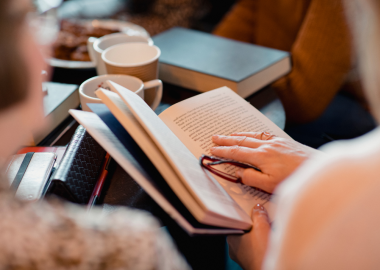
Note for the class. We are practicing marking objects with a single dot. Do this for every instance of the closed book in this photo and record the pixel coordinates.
(60, 98)
(28, 174)
(59, 151)
(202, 62)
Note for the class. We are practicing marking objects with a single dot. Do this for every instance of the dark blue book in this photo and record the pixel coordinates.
(202, 62)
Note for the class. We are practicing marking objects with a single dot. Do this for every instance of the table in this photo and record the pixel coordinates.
(202, 252)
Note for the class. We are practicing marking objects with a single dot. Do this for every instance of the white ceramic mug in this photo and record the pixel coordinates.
(135, 59)
(96, 46)
(87, 88)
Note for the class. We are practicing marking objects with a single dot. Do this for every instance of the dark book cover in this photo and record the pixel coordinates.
(76, 176)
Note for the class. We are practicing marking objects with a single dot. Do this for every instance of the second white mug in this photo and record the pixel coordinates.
(96, 46)
(87, 88)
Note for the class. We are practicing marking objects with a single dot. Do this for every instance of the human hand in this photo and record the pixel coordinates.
(276, 157)
(248, 250)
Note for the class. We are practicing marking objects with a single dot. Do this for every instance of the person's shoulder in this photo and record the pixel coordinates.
(347, 167)
(319, 205)
(356, 161)
(346, 157)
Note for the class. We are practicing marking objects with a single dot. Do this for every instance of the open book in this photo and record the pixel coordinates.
(161, 153)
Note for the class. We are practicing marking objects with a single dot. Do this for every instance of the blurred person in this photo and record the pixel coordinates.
(322, 94)
(157, 16)
(327, 213)
(54, 235)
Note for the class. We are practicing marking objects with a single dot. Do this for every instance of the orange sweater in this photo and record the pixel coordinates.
(316, 34)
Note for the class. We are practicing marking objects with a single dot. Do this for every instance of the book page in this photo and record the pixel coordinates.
(106, 138)
(222, 112)
(216, 202)
(121, 146)
(139, 135)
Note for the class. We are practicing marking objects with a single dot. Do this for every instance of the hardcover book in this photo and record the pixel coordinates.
(161, 153)
(28, 174)
(201, 61)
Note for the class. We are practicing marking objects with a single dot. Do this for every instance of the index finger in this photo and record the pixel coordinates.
(255, 135)
(236, 140)
(238, 153)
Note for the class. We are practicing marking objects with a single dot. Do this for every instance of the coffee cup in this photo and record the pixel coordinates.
(87, 88)
(96, 46)
(135, 59)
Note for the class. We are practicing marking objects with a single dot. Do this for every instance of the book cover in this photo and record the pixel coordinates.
(202, 61)
(60, 98)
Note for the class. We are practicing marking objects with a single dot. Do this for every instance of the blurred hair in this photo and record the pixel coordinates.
(364, 19)
(13, 72)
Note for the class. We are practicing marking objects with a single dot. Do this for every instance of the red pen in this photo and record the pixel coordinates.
(99, 184)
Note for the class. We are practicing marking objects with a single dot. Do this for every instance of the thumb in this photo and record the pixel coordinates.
(260, 233)
(260, 218)
(256, 179)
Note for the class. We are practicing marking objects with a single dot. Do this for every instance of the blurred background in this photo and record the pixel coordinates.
(81, 19)
(154, 15)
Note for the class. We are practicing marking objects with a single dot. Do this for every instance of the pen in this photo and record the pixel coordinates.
(99, 184)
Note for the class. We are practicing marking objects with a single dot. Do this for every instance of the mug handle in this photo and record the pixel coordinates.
(90, 48)
(158, 96)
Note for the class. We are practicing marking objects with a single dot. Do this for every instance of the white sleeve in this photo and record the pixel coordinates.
(328, 214)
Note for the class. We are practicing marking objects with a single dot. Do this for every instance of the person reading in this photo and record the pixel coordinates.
(327, 213)
(322, 95)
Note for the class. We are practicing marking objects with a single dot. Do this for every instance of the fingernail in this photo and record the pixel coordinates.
(215, 136)
(258, 207)
(239, 173)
